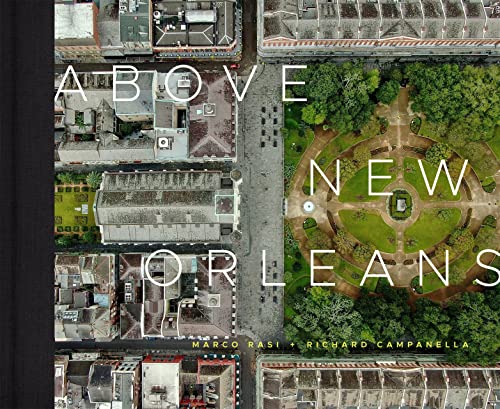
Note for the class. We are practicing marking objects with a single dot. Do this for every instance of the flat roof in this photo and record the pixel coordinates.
(74, 21)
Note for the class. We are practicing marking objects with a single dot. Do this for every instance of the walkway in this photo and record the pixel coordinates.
(398, 141)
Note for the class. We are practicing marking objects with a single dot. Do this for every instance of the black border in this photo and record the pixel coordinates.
(26, 176)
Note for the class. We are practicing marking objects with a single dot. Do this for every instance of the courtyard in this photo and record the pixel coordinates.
(398, 226)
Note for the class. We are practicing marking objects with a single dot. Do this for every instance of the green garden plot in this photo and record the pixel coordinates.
(69, 220)
(430, 229)
(369, 228)
(356, 188)
(413, 175)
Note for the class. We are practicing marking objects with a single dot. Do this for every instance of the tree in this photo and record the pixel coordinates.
(89, 237)
(311, 116)
(371, 128)
(387, 314)
(475, 320)
(361, 155)
(430, 322)
(66, 178)
(388, 92)
(455, 167)
(437, 152)
(465, 97)
(444, 214)
(362, 253)
(343, 93)
(441, 252)
(323, 316)
(319, 240)
(94, 179)
(64, 241)
(342, 242)
(347, 169)
(461, 240)
(331, 259)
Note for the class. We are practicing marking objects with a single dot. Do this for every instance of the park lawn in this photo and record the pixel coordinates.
(356, 188)
(431, 282)
(416, 179)
(292, 140)
(462, 264)
(301, 277)
(65, 204)
(373, 230)
(354, 275)
(494, 144)
(429, 229)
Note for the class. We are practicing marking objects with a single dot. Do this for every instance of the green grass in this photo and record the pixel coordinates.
(293, 140)
(354, 275)
(460, 265)
(494, 144)
(373, 230)
(431, 282)
(65, 204)
(429, 229)
(356, 188)
(416, 179)
(330, 152)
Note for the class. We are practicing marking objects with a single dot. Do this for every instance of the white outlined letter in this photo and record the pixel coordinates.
(285, 83)
(371, 177)
(155, 255)
(487, 267)
(314, 165)
(60, 90)
(442, 164)
(264, 283)
(233, 85)
(224, 271)
(313, 267)
(376, 254)
(116, 81)
(193, 70)
(446, 279)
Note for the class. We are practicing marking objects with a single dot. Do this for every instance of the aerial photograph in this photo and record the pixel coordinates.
(276, 204)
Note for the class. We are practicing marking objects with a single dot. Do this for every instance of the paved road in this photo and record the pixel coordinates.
(260, 157)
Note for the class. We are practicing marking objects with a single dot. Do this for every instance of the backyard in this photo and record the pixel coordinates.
(68, 219)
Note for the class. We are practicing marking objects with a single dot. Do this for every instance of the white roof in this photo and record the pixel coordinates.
(160, 376)
(74, 21)
(201, 16)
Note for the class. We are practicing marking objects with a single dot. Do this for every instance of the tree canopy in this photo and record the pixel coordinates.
(337, 94)
(468, 98)
(322, 315)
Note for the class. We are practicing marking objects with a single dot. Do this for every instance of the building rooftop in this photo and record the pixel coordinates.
(193, 23)
(189, 307)
(297, 20)
(84, 297)
(161, 206)
(74, 24)
(347, 384)
(135, 22)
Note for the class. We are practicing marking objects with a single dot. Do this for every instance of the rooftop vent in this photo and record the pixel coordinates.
(209, 109)
(183, 83)
(214, 300)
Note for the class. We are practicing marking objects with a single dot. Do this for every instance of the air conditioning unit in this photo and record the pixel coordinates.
(164, 143)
